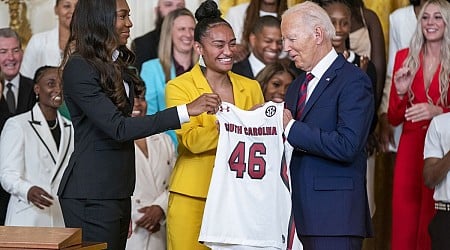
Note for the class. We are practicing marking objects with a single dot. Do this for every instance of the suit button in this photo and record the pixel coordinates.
(138, 201)
(168, 162)
(164, 182)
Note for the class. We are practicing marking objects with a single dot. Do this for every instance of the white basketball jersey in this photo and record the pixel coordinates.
(248, 202)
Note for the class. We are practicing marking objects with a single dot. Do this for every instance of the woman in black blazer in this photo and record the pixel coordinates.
(99, 89)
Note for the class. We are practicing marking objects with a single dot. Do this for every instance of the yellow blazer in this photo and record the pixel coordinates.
(198, 138)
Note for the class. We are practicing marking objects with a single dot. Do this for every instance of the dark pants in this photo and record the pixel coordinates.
(331, 243)
(4, 200)
(439, 229)
(100, 220)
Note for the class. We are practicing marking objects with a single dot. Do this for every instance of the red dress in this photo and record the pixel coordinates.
(412, 201)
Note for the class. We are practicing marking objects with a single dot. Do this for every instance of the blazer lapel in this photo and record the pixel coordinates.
(40, 127)
(293, 92)
(326, 79)
(64, 146)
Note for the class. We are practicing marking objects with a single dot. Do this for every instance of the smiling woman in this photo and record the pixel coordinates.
(35, 148)
(175, 57)
(99, 88)
(215, 42)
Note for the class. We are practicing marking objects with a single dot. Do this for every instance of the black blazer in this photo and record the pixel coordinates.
(145, 47)
(102, 165)
(4, 112)
(243, 68)
(27, 97)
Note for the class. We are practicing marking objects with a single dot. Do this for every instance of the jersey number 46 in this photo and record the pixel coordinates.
(256, 164)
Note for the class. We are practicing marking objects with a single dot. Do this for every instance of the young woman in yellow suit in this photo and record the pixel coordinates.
(215, 42)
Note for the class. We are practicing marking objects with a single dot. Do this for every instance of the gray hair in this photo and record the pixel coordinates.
(312, 14)
(10, 33)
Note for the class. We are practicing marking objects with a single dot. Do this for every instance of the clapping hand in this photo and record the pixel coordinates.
(422, 111)
(39, 197)
(402, 80)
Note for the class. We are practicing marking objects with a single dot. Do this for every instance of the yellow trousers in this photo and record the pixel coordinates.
(184, 219)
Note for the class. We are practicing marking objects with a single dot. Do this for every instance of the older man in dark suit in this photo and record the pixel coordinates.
(18, 95)
(328, 116)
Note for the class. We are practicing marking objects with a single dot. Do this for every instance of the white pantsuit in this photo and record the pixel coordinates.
(29, 157)
(152, 181)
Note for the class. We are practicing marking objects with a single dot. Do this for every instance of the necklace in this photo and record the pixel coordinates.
(54, 126)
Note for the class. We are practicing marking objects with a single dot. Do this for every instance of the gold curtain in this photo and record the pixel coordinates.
(381, 7)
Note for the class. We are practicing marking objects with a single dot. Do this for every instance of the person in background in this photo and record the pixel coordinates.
(155, 157)
(175, 56)
(18, 94)
(47, 48)
(96, 187)
(146, 46)
(435, 173)
(11, 55)
(244, 17)
(328, 133)
(265, 46)
(275, 79)
(402, 24)
(215, 43)
(367, 39)
(419, 92)
(34, 149)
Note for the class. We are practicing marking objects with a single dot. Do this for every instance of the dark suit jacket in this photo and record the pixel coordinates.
(328, 165)
(25, 100)
(243, 68)
(102, 165)
(27, 97)
(145, 47)
(4, 112)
